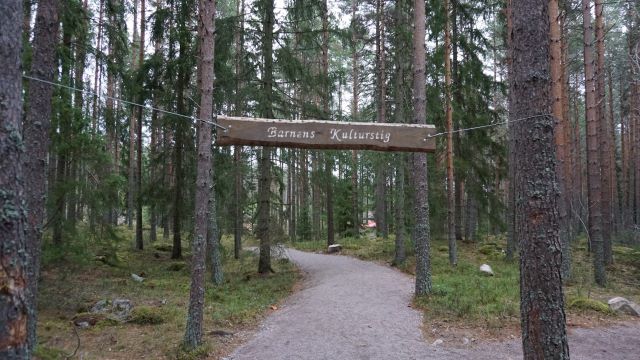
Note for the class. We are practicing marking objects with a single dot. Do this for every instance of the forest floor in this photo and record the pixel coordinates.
(74, 280)
(353, 309)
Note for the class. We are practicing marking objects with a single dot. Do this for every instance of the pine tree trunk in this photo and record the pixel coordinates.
(204, 177)
(355, 67)
(512, 245)
(36, 139)
(543, 320)
(555, 51)
(380, 176)
(14, 270)
(139, 110)
(264, 163)
(131, 192)
(593, 155)
(451, 203)
(420, 179)
(603, 132)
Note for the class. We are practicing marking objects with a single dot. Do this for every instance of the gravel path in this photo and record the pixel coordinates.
(351, 309)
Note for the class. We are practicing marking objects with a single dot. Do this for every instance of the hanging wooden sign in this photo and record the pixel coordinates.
(319, 134)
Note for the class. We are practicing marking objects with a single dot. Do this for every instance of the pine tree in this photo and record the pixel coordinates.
(420, 179)
(542, 314)
(13, 257)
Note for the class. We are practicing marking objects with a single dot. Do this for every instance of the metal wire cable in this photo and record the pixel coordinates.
(488, 125)
(125, 101)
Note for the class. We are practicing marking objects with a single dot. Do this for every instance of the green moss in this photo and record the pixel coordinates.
(583, 303)
(48, 353)
(200, 352)
(146, 315)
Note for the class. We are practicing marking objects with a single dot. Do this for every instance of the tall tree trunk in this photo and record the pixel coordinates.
(451, 201)
(555, 51)
(455, 75)
(237, 152)
(603, 131)
(96, 73)
(204, 183)
(139, 110)
(380, 176)
(542, 314)
(14, 269)
(512, 244)
(593, 155)
(326, 98)
(420, 180)
(264, 163)
(131, 189)
(613, 173)
(355, 67)
(36, 139)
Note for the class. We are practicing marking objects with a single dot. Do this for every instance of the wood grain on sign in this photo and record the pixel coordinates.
(318, 134)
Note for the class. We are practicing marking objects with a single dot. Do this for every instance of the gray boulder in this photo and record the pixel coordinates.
(622, 305)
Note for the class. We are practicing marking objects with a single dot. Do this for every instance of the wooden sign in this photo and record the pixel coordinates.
(318, 134)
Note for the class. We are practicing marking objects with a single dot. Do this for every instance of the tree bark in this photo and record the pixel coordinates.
(555, 51)
(541, 299)
(604, 135)
(204, 183)
(593, 154)
(14, 315)
(36, 138)
(139, 110)
(264, 163)
(420, 169)
(451, 200)
(355, 66)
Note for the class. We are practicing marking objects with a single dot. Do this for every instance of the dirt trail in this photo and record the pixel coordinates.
(351, 309)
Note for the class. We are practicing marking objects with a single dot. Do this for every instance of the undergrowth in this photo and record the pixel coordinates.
(155, 327)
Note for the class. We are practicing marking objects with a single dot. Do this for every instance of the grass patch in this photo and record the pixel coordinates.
(146, 315)
(160, 303)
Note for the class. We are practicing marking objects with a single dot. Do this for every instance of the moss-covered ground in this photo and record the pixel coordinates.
(71, 285)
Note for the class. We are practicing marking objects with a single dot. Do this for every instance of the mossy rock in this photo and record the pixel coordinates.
(443, 248)
(583, 303)
(146, 315)
(163, 247)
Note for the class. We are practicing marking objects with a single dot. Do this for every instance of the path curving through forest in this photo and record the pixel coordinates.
(352, 309)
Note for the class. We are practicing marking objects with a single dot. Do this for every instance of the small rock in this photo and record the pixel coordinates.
(121, 308)
(484, 268)
(334, 248)
(437, 342)
(622, 305)
(100, 307)
(137, 278)
(82, 324)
